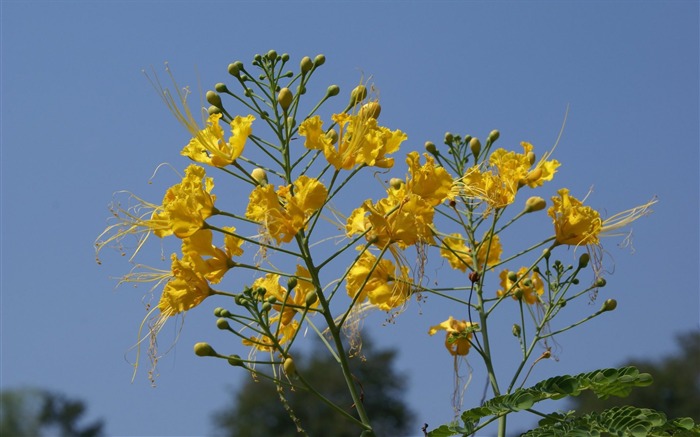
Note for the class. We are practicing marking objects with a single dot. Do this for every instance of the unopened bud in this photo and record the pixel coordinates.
(546, 253)
(333, 136)
(284, 98)
(235, 360)
(583, 260)
(311, 298)
(493, 136)
(259, 175)
(518, 293)
(512, 276)
(291, 121)
(319, 60)
(531, 157)
(333, 90)
(204, 350)
(358, 94)
(430, 147)
(267, 306)
(271, 55)
(609, 305)
(285, 57)
(222, 323)
(600, 282)
(213, 110)
(395, 183)
(214, 99)
(534, 175)
(535, 203)
(289, 367)
(516, 330)
(235, 68)
(221, 88)
(217, 311)
(370, 110)
(475, 146)
(449, 138)
(306, 64)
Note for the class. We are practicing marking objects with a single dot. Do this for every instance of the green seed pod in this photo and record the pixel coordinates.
(214, 99)
(333, 90)
(204, 350)
(319, 60)
(235, 360)
(535, 203)
(583, 260)
(609, 305)
(222, 323)
(475, 146)
(221, 88)
(516, 330)
(284, 98)
(358, 94)
(430, 148)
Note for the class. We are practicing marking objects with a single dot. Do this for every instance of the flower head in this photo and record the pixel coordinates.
(531, 288)
(187, 289)
(460, 256)
(459, 335)
(186, 205)
(379, 281)
(209, 147)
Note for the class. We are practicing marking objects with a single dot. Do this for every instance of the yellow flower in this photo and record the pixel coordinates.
(531, 288)
(433, 184)
(381, 282)
(219, 261)
(284, 213)
(185, 290)
(209, 147)
(457, 340)
(578, 225)
(360, 140)
(517, 166)
(265, 343)
(456, 252)
(189, 203)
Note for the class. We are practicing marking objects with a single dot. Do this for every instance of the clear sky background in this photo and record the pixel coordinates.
(80, 121)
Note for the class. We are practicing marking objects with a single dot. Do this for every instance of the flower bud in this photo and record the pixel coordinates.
(395, 183)
(221, 88)
(583, 260)
(333, 90)
(333, 136)
(272, 300)
(311, 298)
(257, 57)
(512, 276)
(213, 110)
(527, 282)
(306, 65)
(609, 305)
(600, 282)
(248, 92)
(301, 90)
(370, 110)
(214, 99)
(271, 55)
(319, 60)
(449, 138)
(430, 148)
(222, 323)
(534, 174)
(518, 293)
(546, 253)
(260, 176)
(289, 367)
(535, 203)
(291, 283)
(493, 136)
(235, 360)
(285, 57)
(284, 98)
(267, 306)
(516, 330)
(358, 94)
(204, 350)
(291, 121)
(235, 68)
(217, 311)
(475, 146)
(531, 157)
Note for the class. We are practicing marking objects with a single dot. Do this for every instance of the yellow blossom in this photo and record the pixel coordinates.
(579, 225)
(360, 140)
(431, 183)
(381, 282)
(185, 290)
(531, 288)
(264, 342)
(283, 213)
(209, 147)
(455, 250)
(457, 340)
(189, 203)
(218, 261)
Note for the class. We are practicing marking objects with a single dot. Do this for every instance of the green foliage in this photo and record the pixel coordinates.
(32, 413)
(676, 388)
(258, 410)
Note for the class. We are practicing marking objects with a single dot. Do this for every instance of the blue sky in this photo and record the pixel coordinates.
(80, 121)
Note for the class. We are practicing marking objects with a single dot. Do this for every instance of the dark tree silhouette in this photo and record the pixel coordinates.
(257, 409)
(33, 413)
(676, 387)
